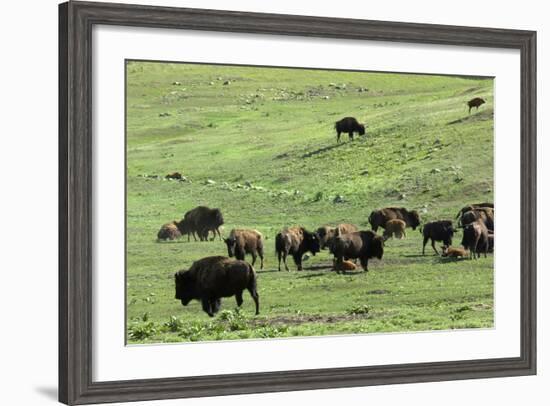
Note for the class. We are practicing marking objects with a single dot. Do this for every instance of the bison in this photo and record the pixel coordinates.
(475, 238)
(241, 242)
(169, 231)
(440, 230)
(327, 233)
(453, 252)
(295, 241)
(379, 218)
(359, 244)
(485, 214)
(475, 102)
(395, 228)
(343, 266)
(211, 278)
(202, 220)
(348, 125)
(472, 207)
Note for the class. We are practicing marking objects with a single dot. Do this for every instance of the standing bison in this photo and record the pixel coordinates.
(475, 238)
(241, 242)
(360, 244)
(327, 233)
(379, 218)
(202, 220)
(475, 102)
(440, 230)
(395, 228)
(295, 241)
(211, 278)
(348, 125)
(485, 214)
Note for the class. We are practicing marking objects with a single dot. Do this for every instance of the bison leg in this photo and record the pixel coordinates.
(207, 307)
(298, 261)
(255, 297)
(215, 304)
(364, 264)
(350, 135)
(261, 254)
(284, 261)
(219, 234)
(433, 246)
(254, 256)
(239, 297)
(424, 244)
(338, 136)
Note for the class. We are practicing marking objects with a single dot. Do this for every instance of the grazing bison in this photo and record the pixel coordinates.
(453, 252)
(360, 244)
(211, 278)
(295, 241)
(395, 228)
(348, 125)
(327, 233)
(485, 214)
(379, 218)
(169, 231)
(202, 220)
(476, 238)
(475, 102)
(241, 242)
(440, 230)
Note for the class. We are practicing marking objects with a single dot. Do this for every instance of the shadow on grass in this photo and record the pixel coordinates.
(324, 149)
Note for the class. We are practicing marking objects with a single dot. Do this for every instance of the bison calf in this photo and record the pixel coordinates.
(343, 266)
(395, 228)
(241, 242)
(211, 278)
(169, 231)
(453, 252)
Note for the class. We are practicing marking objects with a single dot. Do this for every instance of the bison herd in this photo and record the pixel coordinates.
(211, 278)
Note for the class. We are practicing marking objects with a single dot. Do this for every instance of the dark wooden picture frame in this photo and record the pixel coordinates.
(76, 20)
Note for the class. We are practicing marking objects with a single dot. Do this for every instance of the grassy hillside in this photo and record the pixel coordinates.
(259, 143)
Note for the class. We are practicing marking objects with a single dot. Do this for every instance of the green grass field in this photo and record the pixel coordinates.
(259, 143)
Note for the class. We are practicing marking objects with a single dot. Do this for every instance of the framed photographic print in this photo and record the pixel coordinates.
(259, 202)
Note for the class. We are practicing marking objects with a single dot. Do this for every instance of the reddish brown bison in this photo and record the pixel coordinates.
(475, 102)
(327, 233)
(440, 230)
(202, 220)
(472, 207)
(169, 231)
(379, 218)
(348, 125)
(211, 278)
(475, 238)
(395, 228)
(485, 214)
(295, 241)
(241, 242)
(360, 244)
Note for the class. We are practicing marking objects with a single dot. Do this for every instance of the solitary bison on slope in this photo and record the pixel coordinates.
(295, 241)
(475, 102)
(360, 244)
(241, 242)
(211, 278)
(379, 218)
(348, 125)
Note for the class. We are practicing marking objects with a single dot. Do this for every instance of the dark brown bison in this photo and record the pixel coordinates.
(327, 233)
(211, 278)
(295, 241)
(485, 214)
(202, 220)
(475, 102)
(440, 230)
(241, 242)
(475, 238)
(360, 244)
(379, 218)
(169, 231)
(348, 125)
(174, 175)
(472, 207)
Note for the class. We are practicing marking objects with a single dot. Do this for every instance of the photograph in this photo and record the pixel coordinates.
(277, 202)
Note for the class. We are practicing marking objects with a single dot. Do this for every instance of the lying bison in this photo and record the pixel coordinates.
(211, 278)
(348, 125)
(440, 230)
(241, 242)
(202, 220)
(360, 244)
(476, 238)
(475, 102)
(379, 218)
(295, 241)
(327, 233)
(169, 231)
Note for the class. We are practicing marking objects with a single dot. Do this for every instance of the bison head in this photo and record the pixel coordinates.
(414, 219)
(311, 242)
(361, 129)
(325, 234)
(184, 287)
(231, 243)
(376, 247)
